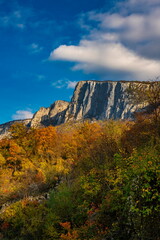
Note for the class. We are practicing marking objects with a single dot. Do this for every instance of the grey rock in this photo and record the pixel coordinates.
(54, 115)
(100, 100)
(5, 127)
(95, 100)
(40, 117)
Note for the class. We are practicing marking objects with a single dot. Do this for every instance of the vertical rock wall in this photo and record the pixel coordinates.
(91, 100)
(100, 100)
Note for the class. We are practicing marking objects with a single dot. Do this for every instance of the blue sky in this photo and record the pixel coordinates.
(47, 46)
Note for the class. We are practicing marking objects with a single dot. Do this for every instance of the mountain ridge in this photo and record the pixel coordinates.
(91, 99)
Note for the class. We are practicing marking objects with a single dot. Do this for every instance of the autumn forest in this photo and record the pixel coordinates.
(88, 180)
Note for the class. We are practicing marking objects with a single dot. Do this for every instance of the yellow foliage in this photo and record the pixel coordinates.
(2, 160)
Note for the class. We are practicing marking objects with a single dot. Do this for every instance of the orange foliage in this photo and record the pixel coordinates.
(71, 234)
(66, 225)
(45, 139)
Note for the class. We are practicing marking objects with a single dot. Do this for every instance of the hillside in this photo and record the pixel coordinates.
(96, 180)
(83, 179)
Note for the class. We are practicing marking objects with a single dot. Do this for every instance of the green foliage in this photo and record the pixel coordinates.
(103, 179)
(147, 93)
(62, 200)
(29, 220)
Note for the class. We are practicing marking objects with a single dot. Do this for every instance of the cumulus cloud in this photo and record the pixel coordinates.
(93, 55)
(22, 114)
(133, 27)
(118, 41)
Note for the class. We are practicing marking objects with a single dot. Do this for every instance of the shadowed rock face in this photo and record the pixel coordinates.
(54, 115)
(100, 100)
(91, 100)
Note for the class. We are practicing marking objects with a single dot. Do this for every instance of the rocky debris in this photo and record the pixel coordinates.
(39, 198)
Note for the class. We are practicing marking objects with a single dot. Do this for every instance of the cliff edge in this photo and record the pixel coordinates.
(97, 100)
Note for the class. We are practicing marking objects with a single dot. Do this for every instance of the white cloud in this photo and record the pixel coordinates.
(140, 5)
(133, 27)
(71, 84)
(22, 114)
(64, 83)
(117, 42)
(93, 56)
(59, 83)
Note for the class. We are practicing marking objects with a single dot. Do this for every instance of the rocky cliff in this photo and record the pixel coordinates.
(100, 100)
(91, 100)
(54, 115)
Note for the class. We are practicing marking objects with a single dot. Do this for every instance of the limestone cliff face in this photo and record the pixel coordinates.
(54, 115)
(100, 100)
(91, 100)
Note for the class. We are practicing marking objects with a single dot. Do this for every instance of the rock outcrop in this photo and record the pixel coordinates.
(54, 115)
(5, 127)
(91, 100)
(100, 100)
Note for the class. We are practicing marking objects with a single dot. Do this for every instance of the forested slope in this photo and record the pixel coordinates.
(102, 178)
